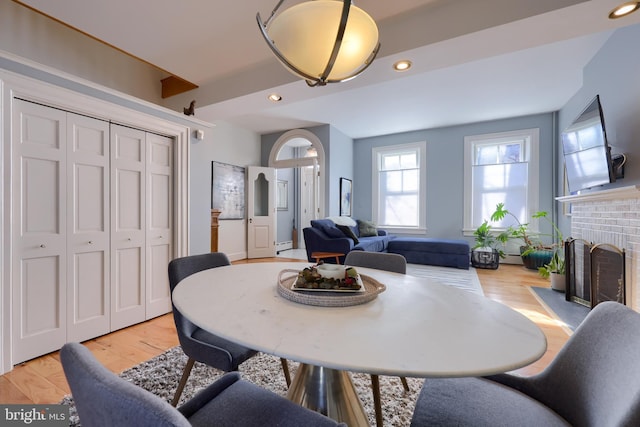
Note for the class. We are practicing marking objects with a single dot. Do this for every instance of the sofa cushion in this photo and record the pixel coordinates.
(348, 231)
(328, 227)
(427, 244)
(432, 251)
(373, 244)
(367, 228)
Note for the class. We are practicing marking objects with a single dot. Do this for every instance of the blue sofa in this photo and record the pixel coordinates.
(430, 251)
(325, 236)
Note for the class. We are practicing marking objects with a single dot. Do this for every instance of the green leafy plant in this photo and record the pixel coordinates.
(519, 231)
(556, 265)
(532, 242)
(486, 238)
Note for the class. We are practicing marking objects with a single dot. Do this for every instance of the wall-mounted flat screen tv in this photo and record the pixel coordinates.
(587, 156)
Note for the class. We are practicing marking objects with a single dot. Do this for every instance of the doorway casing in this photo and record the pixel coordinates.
(317, 161)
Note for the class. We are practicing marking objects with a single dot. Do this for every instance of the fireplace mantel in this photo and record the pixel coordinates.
(629, 192)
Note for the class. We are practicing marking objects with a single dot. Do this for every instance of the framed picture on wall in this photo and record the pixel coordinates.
(227, 190)
(345, 197)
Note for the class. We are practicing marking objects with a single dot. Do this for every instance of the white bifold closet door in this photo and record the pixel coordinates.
(60, 256)
(159, 239)
(128, 214)
(92, 227)
(141, 218)
(39, 228)
(88, 229)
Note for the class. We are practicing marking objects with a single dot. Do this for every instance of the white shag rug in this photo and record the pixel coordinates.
(161, 374)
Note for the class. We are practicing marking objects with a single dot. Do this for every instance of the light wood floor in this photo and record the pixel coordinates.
(42, 381)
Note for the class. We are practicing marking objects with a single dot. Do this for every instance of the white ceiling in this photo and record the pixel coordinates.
(474, 60)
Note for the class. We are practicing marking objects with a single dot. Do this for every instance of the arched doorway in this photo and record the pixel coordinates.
(298, 157)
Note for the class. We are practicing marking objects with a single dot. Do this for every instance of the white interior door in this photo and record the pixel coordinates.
(159, 240)
(39, 296)
(128, 228)
(261, 212)
(88, 226)
(308, 197)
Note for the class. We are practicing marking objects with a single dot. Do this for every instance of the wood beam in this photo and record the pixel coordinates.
(174, 85)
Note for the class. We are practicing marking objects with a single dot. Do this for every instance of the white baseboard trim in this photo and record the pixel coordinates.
(283, 246)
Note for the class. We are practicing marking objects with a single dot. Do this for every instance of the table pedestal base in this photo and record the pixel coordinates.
(330, 392)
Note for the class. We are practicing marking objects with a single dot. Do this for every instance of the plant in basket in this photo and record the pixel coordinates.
(487, 251)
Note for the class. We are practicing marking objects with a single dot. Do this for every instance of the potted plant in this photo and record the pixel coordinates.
(555, 270)
(534, 253)
(485, 253)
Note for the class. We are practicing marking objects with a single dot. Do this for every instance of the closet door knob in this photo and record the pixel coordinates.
(43, 246)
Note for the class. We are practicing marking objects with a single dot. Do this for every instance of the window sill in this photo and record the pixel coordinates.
(402, 230)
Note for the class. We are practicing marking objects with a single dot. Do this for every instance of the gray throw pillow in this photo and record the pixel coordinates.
(367, 228)
(348, 232)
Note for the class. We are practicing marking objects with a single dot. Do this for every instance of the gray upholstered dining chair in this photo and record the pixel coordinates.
(104, 399)
(382, 261)
(593, 381)
(378, 260)
(200, 345)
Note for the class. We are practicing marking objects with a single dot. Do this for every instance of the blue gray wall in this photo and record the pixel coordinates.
(612, 74)
(341, 164)
(445, 168)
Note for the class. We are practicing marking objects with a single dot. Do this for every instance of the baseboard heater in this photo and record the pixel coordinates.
(283, 246)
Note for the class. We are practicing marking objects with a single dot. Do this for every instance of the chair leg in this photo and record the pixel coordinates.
(405, 384)
(375, 387)
(285, 369)
(183, 381)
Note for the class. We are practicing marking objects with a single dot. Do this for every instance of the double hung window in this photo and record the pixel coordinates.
(500, 168)
(399, 187)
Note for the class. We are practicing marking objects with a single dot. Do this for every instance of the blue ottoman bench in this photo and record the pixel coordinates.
(432, 251)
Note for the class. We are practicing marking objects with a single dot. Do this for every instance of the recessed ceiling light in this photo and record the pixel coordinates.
(274, 97)
(403, 65)
(624, 9)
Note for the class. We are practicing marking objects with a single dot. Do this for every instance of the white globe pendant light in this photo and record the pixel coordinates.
(322, 41)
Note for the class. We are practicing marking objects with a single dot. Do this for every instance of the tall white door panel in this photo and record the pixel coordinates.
(128, 212)
(261, 208)
(39, 230)
(159, 222)
(88, 227)
(308, 197)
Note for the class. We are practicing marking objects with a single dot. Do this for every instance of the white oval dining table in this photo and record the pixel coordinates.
(417, 327)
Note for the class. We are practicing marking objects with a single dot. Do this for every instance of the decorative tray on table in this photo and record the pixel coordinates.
(332, 286)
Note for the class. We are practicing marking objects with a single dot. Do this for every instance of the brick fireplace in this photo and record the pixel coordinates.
(613, 217)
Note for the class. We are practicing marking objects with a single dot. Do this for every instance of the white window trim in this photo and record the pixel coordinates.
(422, 198)
(531, 155)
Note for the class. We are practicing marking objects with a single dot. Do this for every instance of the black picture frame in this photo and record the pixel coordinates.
(346, 196)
